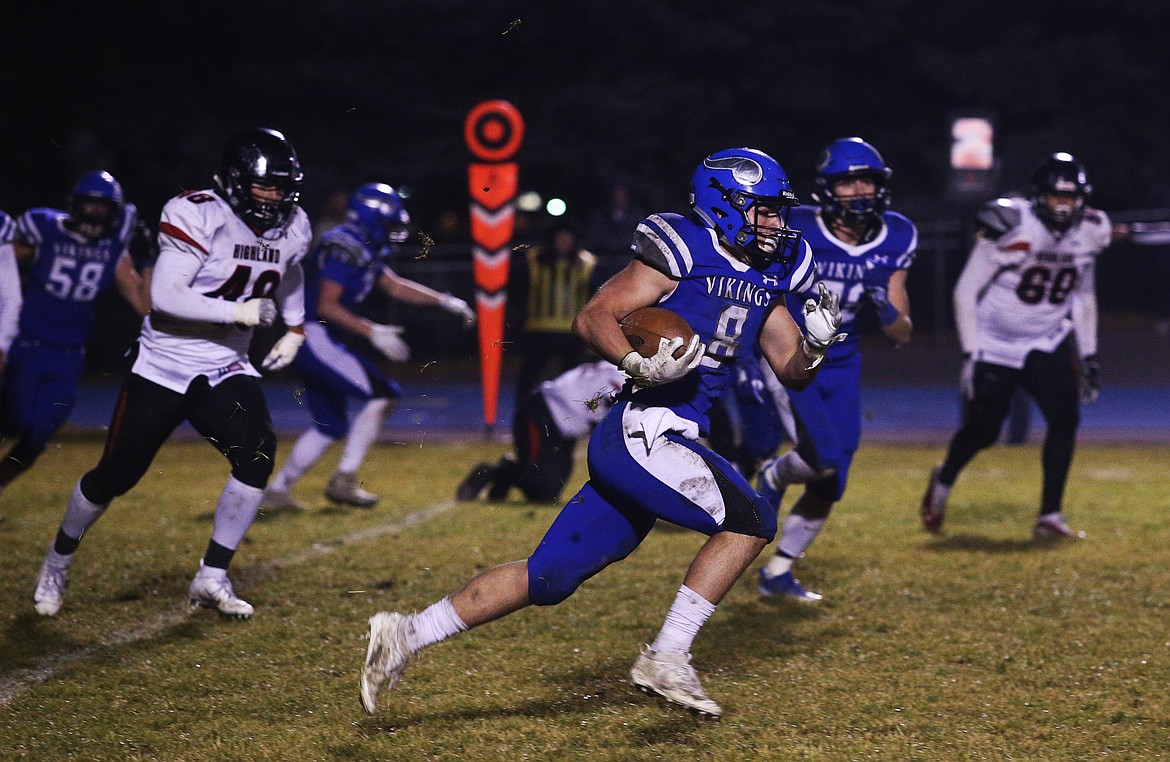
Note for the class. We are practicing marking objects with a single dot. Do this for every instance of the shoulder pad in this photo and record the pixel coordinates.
(659, 243)
(997, 217)
(192, 218)
(342, 246)
(7, 228)
(30, 225)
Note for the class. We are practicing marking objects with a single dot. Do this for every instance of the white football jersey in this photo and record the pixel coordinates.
(1025, 279)
(580, 397)
(232, 263)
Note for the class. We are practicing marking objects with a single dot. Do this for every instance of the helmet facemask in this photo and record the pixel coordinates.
(262, 158)
(95, 204)
(730, 189)
(1059, 191)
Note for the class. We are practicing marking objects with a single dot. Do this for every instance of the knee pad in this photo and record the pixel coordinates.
(100, 487)
(253, 465)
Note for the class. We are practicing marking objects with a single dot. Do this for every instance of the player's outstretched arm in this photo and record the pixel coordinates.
(387, 339)
(413, 292)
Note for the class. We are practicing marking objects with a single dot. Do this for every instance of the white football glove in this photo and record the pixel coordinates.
(388, 340)
(455, 305)
(663, 368)
(822, 324)
(283, 351)
(967, 377)
(253, 312)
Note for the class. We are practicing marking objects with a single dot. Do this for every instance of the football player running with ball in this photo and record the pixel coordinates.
(229, 259)
(1026, 309)
(725, 270)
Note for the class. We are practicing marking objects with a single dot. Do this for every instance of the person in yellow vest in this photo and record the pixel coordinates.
(551, 282)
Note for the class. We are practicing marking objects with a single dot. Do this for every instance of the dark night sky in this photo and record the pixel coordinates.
(637, 90)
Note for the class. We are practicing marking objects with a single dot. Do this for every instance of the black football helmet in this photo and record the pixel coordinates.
(1062, 174)
(260, 156)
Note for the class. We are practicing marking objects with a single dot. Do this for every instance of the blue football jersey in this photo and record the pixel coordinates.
(7, 228)
(724, 300)
(843, 266)
(343, 257)
(68, 273)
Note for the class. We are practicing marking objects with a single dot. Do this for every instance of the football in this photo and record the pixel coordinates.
(646, 325)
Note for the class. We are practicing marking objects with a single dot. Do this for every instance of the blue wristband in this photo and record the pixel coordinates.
(887, 314)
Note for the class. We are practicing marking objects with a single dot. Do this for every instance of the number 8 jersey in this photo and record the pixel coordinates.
(223, 261)
(1025, 286)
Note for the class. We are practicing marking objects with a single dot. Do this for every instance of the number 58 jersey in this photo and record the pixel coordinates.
(1032, 278)
(224, 262)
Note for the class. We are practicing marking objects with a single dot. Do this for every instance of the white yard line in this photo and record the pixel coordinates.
(12, 685)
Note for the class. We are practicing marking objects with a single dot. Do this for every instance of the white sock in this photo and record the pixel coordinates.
(433, 625)
(798, 534)
(58, 561)
(308, 449)
(939, 494)
(778, 565)
(235, 511)
(80, 514)
(214, 572)
(364, 429)
(790, 468)
(683, 622)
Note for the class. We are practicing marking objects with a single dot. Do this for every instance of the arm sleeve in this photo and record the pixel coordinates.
(290, 296)
(10, 298)
(1084, 313)
(977, 273)
(171, 292)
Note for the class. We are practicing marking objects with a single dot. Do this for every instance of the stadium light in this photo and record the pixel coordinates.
(555, 207)
(528, 201)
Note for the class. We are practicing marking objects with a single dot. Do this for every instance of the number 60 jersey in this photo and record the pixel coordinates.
(1028, 284)
(214, 260)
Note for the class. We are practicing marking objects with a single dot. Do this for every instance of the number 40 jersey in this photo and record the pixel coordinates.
(229, 263)
(1025, 280)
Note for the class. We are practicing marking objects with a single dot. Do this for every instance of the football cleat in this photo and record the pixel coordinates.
(216, 593)
(934, 504)
(787, 585)
(280, 500)
(1051, 526)
(502, 479)
(387, 656)
(672, 677)
(473, 484)
(347, 488)
(50, 592)
(766, 486)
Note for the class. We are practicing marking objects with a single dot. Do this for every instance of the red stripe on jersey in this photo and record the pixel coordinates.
(178, 233)
(1019, 246)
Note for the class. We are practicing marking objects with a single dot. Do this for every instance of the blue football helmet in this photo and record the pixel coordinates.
(262, 157)
(843, 159)
(95, 204)
(727, 185)
(377, 210)
(1060, 173)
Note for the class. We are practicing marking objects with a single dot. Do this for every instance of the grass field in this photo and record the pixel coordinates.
(981, 644)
